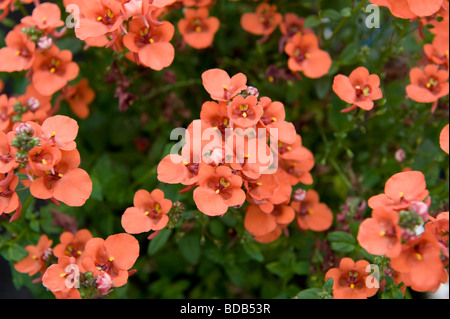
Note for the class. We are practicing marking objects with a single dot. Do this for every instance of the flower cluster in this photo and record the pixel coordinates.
(46, 154)
(81, 265)
(428, 84)
(31, 46)
(243, 150)
(402, 229)
(299, 43)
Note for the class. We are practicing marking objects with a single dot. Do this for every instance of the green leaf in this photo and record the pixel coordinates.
(159, 241)
(252, 249)
(341, 236)
(311, 293)
(16, 252)
(332, 14)
(280, 269)
(346, 12)
(190, 247)
(342, 247)
(312, 21)
(328, 287)
(302, 268)
(350, 53)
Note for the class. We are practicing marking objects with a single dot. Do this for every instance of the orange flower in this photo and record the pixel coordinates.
(349, 280)
(6, 110)
(38, 105)
(66, 183)
(298, 163)
(261, 189)
(79, 97)
(408, 9)
(437, 52)
(359, 89)
(267, 227)
(43, 158)
(420, 263)
(37, 257)
(428, 85)
(5, 6)
(148, 213)
(381, 235)
(113, 256)
(7, 160)
(150, 44)
(215, 115)
(311, 213)
(198, 28)
(281, 195)
(9, 200)
(59, 130)
(45, 17)
(56, 275)
(161, 3)
(197, 3)
(98, 18)
(247, 152)
(18, 55)
(306, 56)
(443, 139)
(293, 24)
(218, 190)
(221, 87)
(72, 245)
(439, 227)
(52, 69)
(245, 112)
(262, 22)
(173, 170)
(131, 8)
(273, 117)
(400, 190)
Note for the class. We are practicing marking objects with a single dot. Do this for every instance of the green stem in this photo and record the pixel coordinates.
(22, 9)
(340, 172)
(27, 203)
(171, 87)
(343, 23)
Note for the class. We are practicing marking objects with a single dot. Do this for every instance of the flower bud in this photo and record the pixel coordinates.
(24, 128)
(104, 283)
(252, 91)
(299, 195)
(33, 104)
(44, 42)
(400, 155)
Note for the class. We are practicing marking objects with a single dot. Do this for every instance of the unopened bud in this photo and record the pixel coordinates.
(45, 42)
(24, 128)
(299, 195)
(400, 155)
(420, 208)
(252, 91)
(33, 104)
(104, 283)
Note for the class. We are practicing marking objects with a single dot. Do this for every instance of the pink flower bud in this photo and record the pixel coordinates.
(420, 208)
(33, 104)
(24, 128)
(252, 91)
(104, 283)
(45, 42)
(400, 155)
(299, 195)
